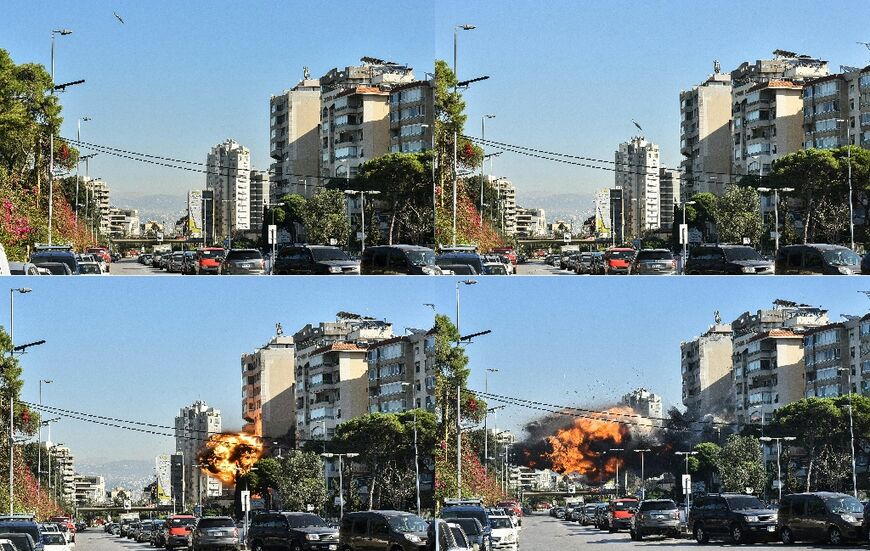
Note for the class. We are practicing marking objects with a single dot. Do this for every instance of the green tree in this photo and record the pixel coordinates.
(814, 174)
(297, 477)
(325, 217)
(860, 162)
(740, 464)
(737, 215)
(709, 456)
(405, 183)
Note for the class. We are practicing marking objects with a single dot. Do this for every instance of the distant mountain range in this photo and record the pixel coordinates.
(571, 207)
(131, 474)
(161, 207)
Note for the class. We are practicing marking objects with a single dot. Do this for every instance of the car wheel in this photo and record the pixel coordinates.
(737, 534)
(257, 547)
(611, 529)
(835, 537)
(786, 536)
(633, 535)
(296, 547)
(701, 535)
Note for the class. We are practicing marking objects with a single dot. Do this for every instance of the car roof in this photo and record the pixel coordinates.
(823, 246)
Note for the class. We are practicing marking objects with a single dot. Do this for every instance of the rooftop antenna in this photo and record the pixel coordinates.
(865, 44)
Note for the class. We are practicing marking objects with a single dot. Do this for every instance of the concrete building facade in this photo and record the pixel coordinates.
(294, 143)
(401, 373)
(268, 388)
(637, 173)
(260, 187)
(507, 204)
(412, 116)
(229, 178)
(706, 366)
(531, 222)
(123, 222)
(89, 490)
(645, 403)
(669, 195)
(193, 426)
(837, 358)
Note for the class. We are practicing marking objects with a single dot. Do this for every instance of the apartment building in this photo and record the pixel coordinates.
(768, 358)
(531, 222)
(837, 110)
(163, 470)
(229, 178)
(294, 143)
(268, 388)
(669, 193)
(507, 204)
(89, 490)
(200, 214)
(63, 471)
(259, 199)
(705, 136)
(401, 373)
(837, 358)
(645, 403)
(637, 173)
(706, 366)
(98, 206)
(123, 223)
(412, 116)
(193, 426)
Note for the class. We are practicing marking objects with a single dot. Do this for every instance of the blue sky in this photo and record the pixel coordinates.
(569, 76)
(179, 77)
(141, 348)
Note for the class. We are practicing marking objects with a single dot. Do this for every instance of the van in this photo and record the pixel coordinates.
(820, 516)
(817, 258)
(382, 531)
(399, 260)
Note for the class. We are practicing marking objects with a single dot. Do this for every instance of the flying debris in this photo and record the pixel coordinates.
(118, 17)
(637, 125)
(228, 455)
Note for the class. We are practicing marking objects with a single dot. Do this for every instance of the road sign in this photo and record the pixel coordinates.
(567, 239)
(246, 501)
(359, 235)
(572, 489)
(687, 484)
(127, 504)
(684, 234)
(273, 234)
(746, 241)
(774, 234)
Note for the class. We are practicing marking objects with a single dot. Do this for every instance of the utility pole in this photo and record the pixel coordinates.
(642, 477)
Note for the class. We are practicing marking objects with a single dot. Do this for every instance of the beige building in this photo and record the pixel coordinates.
(843, 96)
(268, 388)
(294, 142)
(637, 173)
(64, 468)
(412, 116)
(706, 372)
(89, 490)
(705, 136)
(98, 207)
(401, 373)
(837, 358)
(229, 177)
(355, 127)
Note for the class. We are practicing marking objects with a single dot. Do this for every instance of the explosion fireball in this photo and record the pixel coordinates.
(227, 455)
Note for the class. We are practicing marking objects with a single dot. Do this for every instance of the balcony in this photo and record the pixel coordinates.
(322, 413)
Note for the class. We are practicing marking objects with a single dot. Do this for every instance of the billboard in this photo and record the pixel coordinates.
(194, 214)
(164, 481)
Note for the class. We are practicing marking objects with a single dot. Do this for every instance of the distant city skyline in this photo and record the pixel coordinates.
(600, 65)
(143, 348)
(176, 79)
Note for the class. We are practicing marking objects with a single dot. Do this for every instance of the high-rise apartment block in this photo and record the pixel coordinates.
(506, 216)
(401, 373)
(637, 173)
(193, 426)
(89, 490)
(99, 205)
(123, 223)
(64, 470)
(644, 403)
(837, 358)
(229, 177)
(531, 222)
(295, 140)
(412, 117)
(706, 367)
(669, 194)
(836, 110)
(268, 388)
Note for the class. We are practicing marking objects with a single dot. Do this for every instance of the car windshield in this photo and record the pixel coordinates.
(841, 257)
(495, 270)
(621, 255)
(89, 268)
(301, 521)
(182, 522)
(211, 253)
(55, 538)
(741, 253)
(665, 505)
(216, 523)
(479, 515)
(844, 505)
(469, 525)
(421, 258)
(329, 253)
(624, 505)
(244, 255)
(459, 536)
(408, 523)
(500, 522)
(655, 255)
(743, 503)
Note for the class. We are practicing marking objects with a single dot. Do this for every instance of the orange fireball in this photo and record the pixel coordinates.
(228, 455)
(579, 448)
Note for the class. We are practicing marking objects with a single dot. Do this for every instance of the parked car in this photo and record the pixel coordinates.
(587, 514)
(653, 262)
(15, 529)
(291, 530)
(655, 516)
(602, 519)
(188, 263)
(460, 539)
(723, 259)
(177, 531)
(145, 259)
(207, 260)
(617, 260)
(471, 259)
(23, 268)
(457, 269)
(737, 517)
(21, 541)
(597, 266)
(619, 512)
(144, 532)
(314, 260)
(156, 536)
(503, 533)
(865, 264)
(382, 531)
(399, 260)
(90, 268)
(820, 516)
(473, 531)
(584, 263)
(816, 258)
(468, 510)
(133, 530)
(243, 262)
(215, 533)
(176, 263)
(440, 536)
(63, 255)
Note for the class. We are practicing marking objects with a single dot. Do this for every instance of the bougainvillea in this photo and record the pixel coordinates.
(476, 482)
(468, 227)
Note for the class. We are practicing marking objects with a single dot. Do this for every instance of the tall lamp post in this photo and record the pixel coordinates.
(642, 477)
(39, 447)
(416, 453)
(456, 29)
(62, 32)
(685, 238)
(849, 157)
(483, 159)
(486, 416)
(78, 162)
(362, 212)
(21, 290)
(340, 477)
(687, 491)
(779, 441)
(851, 430)
(616, 451)
(459, 399)
(775, 211)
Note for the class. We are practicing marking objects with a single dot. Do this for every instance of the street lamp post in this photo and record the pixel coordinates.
(616, 451)
(62, 32)
(779, 441)
(686, 237)
(642, 477)
(775, 211)
(416, 453)
(340, 477)
(483, 159)
(362, 212)
(21, 290)
(849, 157)
(78, 162)
(687, 491)
(851, 430)
(486, 416)
(459, 398)
(39, 447)
(456, 29)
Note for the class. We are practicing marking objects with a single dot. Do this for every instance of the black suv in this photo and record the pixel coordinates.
(293, 531)
(727, 260)
(399, 259)
(313, 260)
(821, 516)
(382, 531)
(48, 256)
(736, 516)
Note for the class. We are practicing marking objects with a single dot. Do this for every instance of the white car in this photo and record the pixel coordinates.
(504, 533)
(90, 268)
(54, 541)
(7, 545)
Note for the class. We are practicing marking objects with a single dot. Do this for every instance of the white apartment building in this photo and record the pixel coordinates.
(89, 490)
(644, 403)
(835, 98)
(637, 173)
(531, 222)
(193, 426)
(98, 205)
(705, 136)
(62, 477)
(229, 177)
(706, 366)
(837, 358)
(506, 218)
(294, 143)
(123, 222)
(401, 373)
(268, 388)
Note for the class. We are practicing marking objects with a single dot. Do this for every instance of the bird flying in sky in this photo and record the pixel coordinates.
(118, 17)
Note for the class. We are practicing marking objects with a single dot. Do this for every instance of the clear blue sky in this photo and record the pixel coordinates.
(569, 76)
(179, 77)
(141, 348)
